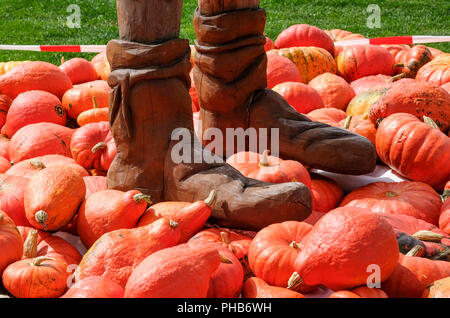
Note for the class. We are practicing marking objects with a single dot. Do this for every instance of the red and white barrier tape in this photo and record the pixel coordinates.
(414, 39)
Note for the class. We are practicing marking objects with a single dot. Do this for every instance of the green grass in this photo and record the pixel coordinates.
(43, 22)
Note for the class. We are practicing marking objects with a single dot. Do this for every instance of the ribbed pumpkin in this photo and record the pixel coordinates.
(115, 254)
(412, 276)
(414, 149)
(39, 140)
(53, 196)
(255, 287)
(5, 103)
(280, 69)
(83, 97)
(10, 241)
(310, 61)
(361, 104)
(274, 250)
(95, 287)
(416, 199)
(35, 75)
(370, 83)
(304, 35)
(334, 90)
(190, 217)
(79, 70)
(438, 289)
(339, 248)
(182, 271)
(416, 98)
(93, 147)
(109, 210)
(326, 193)
(437, 71)
(358, 61)
(269, 168)
(413, 59)
(28, 168)
(12, 189)
(101, 65)
(303, 98)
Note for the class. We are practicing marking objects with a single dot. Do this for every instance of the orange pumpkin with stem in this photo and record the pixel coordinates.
(53, 196)
(414, 149)
(342, 244)
(269, 168)
(255, 287)
(10, 240)
(109, 210)
(80, 98)
(94, 115)
(411, 61)
(416, 199)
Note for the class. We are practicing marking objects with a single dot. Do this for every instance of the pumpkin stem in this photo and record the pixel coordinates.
(264, 160)
(173, 224)
(430, 122)
(391, 194)
(295, 281)
(94, 102)
(415, 251)
(30, 244)
(225, 260)
(41, 217)
(225, 238)
(37, 164)
(428, 236)
(99, 146)
(397, 77)
(446, 194)
(294, 244)
(211, 199)
(378, 122)
(348, 121)
(39, 260)
(138, 198)
(398, 65)
(62, 60)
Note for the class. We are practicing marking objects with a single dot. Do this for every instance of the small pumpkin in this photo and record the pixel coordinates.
(416, 199)
(326, 193)
(95, 287)
(101, 65)
(10, 241)
(414, 149)
(94, 115)
(79, 70)
(360, 105)
(53, 196)
(81, 98)
(334, 90)
(303, 98)
(280, 70)
(109, 210)
(255, 287)
(269, 168)
(412, 61)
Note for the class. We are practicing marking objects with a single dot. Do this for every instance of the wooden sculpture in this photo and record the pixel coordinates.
(150, 100)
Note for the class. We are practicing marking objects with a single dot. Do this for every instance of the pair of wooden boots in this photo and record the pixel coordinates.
(150, 104)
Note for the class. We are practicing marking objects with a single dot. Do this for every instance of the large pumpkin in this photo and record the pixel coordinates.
(370, 83)
(40, 139)
(280, 69)
(83, 97)
(416, 199)
(79, 70)
(35, 75)
(413, 59)
(326, 193)
(10, 241)
(416, 98)
(300, 96)
(269, 168)
(342, 245)
(109, 210)
(437, 71)
(338, 35)
(358, 61)
(414, 149)
(304, 35)
(310, 61)
(53, 196)
(334, 90)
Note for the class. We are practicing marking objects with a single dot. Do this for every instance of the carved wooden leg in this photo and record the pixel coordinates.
(230, 77)
(150, 100)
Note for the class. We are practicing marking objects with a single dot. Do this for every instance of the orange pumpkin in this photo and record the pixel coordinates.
(334, 90)
(414, 149)
(438, 289)
(94, 115)
(444, 218)
(95, 287)
(269, 168)
(35, 75)
(342, 245)
(5, 103)
(326, 194)
(101, 65)
(5, 164)
(329, 116)
(94, 184)
(338, 35)
(310, 61)
(109, 210)
(84, 97)
(411, 61)
(280, 69)
(255, 287)
(52, 197)
(300, 96)
(360, 292)
(437, 71)
(10, 241)
(416, 199)
(416, 98)
(12, 191)
(370, 83)
(115, 254)
(270, 45)
(79, 70)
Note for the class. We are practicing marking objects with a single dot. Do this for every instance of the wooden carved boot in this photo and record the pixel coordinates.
(230, 78)
(150, 102)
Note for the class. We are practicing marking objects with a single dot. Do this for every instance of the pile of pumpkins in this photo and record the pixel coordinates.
(385, 239)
